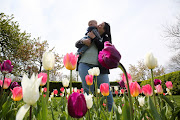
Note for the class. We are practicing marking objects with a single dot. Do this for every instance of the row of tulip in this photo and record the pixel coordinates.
(123, 107)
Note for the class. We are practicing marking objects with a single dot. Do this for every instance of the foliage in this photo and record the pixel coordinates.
(173, 77)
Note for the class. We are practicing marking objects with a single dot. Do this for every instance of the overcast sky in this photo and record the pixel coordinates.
(136, 25)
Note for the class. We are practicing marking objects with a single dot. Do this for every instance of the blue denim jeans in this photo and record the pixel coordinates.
(102, 78)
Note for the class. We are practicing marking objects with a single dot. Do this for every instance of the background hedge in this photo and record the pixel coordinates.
(174, 77)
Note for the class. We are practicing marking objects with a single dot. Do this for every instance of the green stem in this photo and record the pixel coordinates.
(152, 85)
(89, 89)
(129, 95)
(30, 112)
(89, 115)
(47, 94)
(107, 103)
(1, 93)
(70, 82)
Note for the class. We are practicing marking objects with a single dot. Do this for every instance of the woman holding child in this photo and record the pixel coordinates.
(89, 58)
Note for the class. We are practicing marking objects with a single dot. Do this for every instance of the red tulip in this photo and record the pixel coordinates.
(104, 88)
(116, 92)
(44, 78)
(77, 107)
(62, 89)
(17, 93)
(89, 79)
(169, 85)
(45, 89)
(147, 90)
(55, 91)
(109, 57)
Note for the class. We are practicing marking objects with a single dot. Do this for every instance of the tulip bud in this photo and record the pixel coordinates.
(157, 82)
(65, 82)
(17, 93)
(48, 60)
(96, 71)
(6, 66)
(44, 78)
(7, 83)
(109, 57)
(89, 100)
(55, 92)
(124, 78)
(169, 85)
(89, 79)
(135, 89)
(77, 107)
(70, 61)
(159, 89)
(121, 84)
(141, 101)
(147, 90)
(150, 61)
(104, 88)
(14, 84)
(116, 88)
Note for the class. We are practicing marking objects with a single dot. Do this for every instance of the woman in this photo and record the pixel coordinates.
(89, 59)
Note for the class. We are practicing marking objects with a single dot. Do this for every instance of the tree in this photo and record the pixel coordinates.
(141, 72)
(172, 34)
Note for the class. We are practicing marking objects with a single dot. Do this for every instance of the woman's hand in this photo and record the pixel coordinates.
(87, 42)
(91, 35)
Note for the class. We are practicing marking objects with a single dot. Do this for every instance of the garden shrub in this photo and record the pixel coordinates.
(174, 77)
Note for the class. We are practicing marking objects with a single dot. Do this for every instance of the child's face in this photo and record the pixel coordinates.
(93, 23)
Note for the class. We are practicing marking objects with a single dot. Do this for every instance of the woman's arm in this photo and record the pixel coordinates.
(83, 42)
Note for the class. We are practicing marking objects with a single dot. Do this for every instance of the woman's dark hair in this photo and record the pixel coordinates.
(107, 31)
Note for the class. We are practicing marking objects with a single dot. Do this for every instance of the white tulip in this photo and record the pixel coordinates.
(116, 88)
(150, 61)
(90, 72)
(98, 91)
(141, 101)
(65, 82)
(68, 91)
(75, 89)
(119, 110)
(96, 71)
(30, 89)
(89, 100)
(48, 60)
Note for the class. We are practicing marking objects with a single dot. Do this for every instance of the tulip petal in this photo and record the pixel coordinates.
(22, 111)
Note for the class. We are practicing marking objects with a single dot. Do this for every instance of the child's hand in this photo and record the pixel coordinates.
(87, 42)
(91, 35)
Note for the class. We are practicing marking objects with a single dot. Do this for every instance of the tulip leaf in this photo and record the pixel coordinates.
(126, 111)
(168, 101)
(176, 113)
(153, 110)
(117, 113)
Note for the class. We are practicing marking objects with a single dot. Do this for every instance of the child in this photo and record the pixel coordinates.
(92, 27)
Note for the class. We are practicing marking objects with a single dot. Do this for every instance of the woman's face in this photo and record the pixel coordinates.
(101, 28)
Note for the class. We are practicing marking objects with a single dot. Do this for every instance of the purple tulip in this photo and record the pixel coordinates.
(157, 82)
(121, 84)
(6, 66)
(77, 107)
(109, 57)
(14, 84)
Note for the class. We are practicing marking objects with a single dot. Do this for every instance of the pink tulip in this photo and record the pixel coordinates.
(169, 85)
(62, 89)
(109, 57)
(7, 83)
(1, 83)
(17, 93)
(159, 89)
(122, 91)
(55, 91)
(89, 79)
(124, 78)
(135, 89)
(82, 90)
(116, 92)
(45, 89)
(147, 90)
(70, 61)
(104, 88)
(44, 78)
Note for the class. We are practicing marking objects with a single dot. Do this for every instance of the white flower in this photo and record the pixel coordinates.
(68, 91)
(94, 71)
(48, 60)
(75, 89)
(155, 91)
(98, 90)
(150, 61)
(141, 101)
(119, 110)
(116, 88)
(168, 91)
(30, 93)
(89, 100)
(65, 82)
